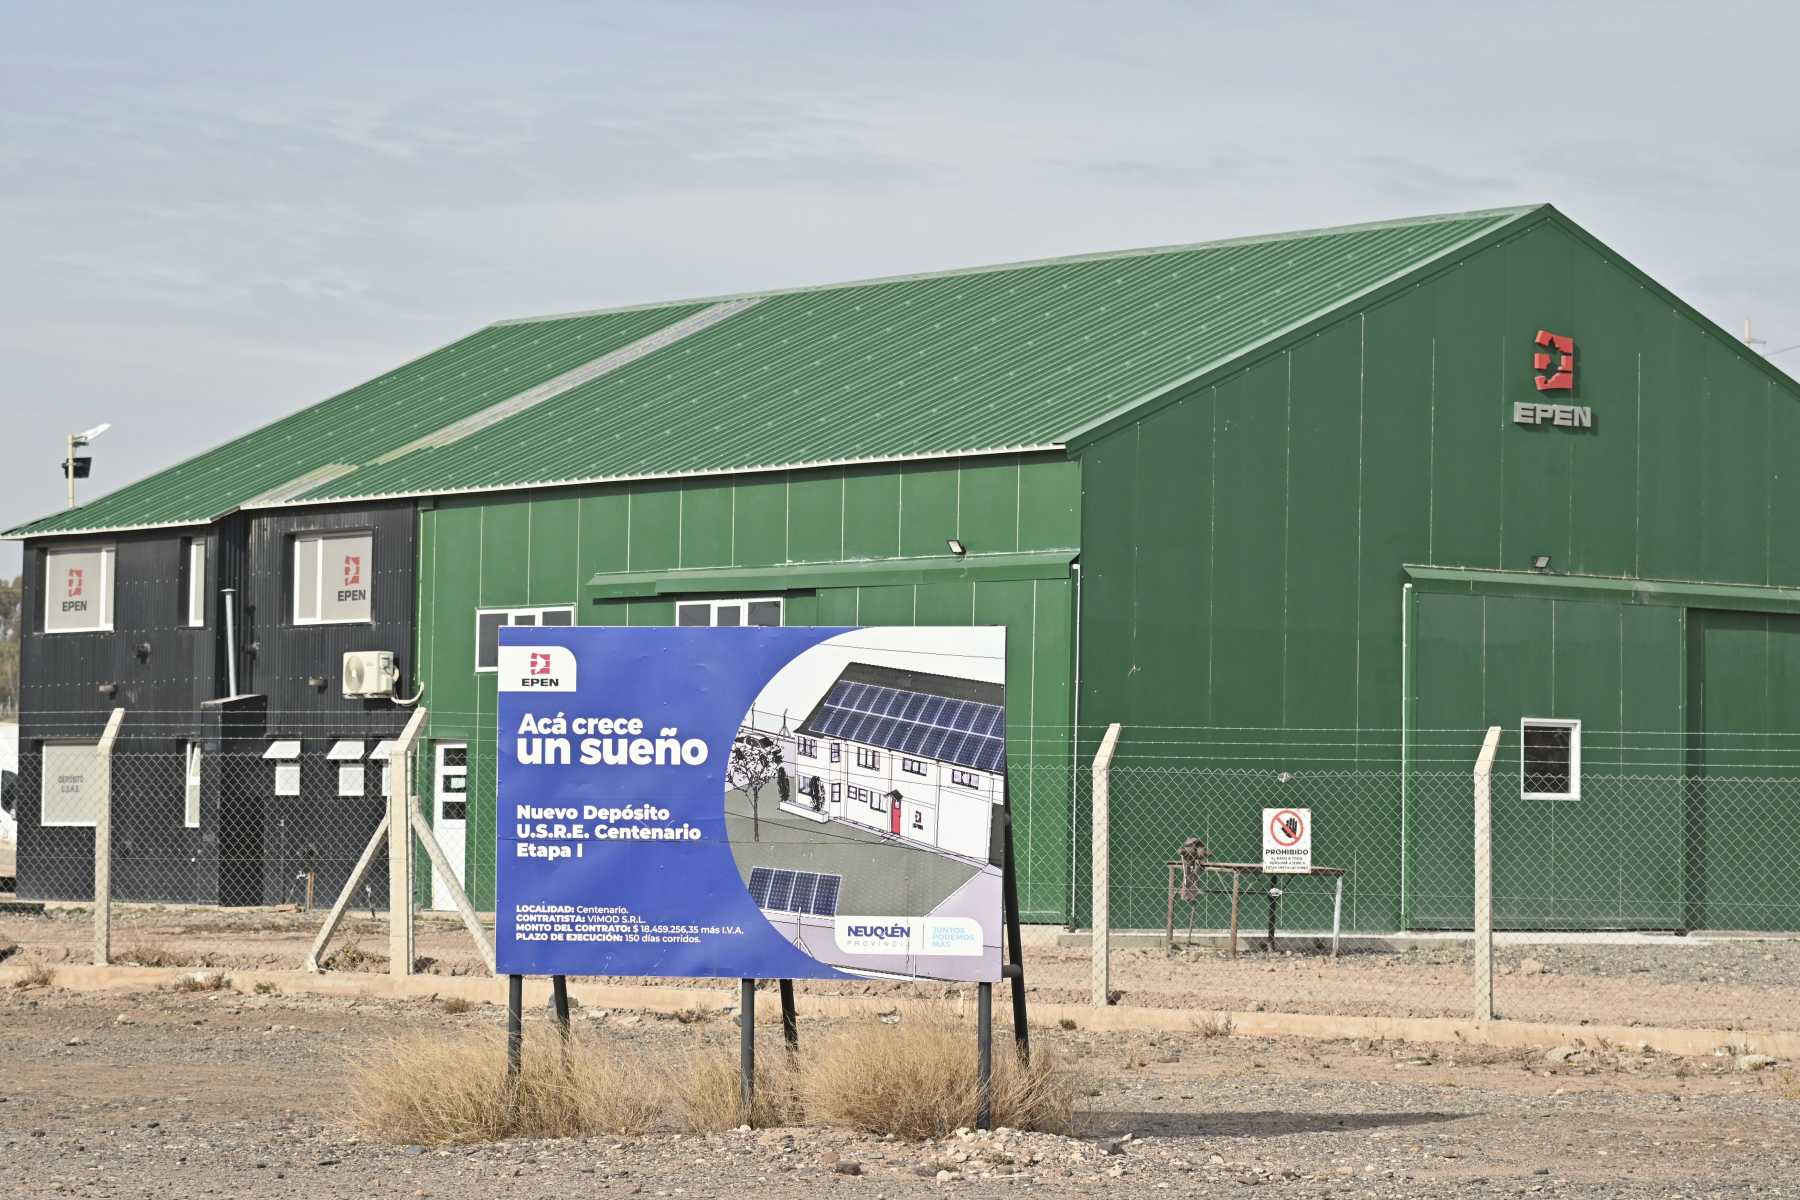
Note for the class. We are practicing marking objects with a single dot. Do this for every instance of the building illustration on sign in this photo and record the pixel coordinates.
(889, 795)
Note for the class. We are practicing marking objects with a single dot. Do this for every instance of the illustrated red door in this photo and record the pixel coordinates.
(894, 816)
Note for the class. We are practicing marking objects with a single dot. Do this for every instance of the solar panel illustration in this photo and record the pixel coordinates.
(964, 732)
(781, 890)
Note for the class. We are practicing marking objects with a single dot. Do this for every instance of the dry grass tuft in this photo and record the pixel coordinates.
(152, 955)
(35, 974)
(707, 1093)
(456, 1004)
(352, 957)
(914, 1080)
(202, 981)
(433, 1091)
(917, 1080)
(1217, 1026)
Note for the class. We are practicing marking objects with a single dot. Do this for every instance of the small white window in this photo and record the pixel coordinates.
(191, 790)
(760, 610)
(71, 792)
(196, 583)
(489, 622)
(78, 587)
(352, 779)
(334, 578)
(1549, 759)
(287, 771)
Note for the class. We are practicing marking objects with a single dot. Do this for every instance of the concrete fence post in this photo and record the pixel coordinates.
(400, 859)
(103, 839)
(1484, 876)
(1101, 870)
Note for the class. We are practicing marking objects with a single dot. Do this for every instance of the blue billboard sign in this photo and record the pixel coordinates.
(773, 803)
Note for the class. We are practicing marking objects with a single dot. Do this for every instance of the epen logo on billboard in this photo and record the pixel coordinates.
(73, 586)
(537, 669)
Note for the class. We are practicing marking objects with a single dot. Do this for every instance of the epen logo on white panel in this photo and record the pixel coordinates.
(536, 669)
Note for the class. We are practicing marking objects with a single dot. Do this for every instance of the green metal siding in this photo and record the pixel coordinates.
(1244, 545)
(367, 421)
(550, 547)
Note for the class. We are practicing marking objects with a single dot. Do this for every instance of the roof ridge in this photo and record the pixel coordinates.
(1509, 211)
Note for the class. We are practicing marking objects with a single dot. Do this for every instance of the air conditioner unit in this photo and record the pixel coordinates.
(370, 673)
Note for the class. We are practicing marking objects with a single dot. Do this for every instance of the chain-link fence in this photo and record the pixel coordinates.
(1637, 878)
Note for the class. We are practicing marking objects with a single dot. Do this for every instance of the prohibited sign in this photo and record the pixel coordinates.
(1287, 841)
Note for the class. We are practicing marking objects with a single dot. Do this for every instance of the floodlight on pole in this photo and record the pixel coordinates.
(73, 467)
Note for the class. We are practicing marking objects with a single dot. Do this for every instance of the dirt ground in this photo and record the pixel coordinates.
(1690, 982)
(218, 1093)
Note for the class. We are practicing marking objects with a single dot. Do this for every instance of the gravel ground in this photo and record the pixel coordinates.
(217, 1093)
(1692, 982)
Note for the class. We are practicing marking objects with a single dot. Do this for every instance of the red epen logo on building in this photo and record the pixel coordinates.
(352, 569)
(1562, 376)
(540, 663)
(75, 582)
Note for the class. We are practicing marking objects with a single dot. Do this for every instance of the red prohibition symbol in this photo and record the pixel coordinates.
(1286, 826)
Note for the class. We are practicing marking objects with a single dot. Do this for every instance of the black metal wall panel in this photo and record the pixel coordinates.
(283, 657)
(251, 847)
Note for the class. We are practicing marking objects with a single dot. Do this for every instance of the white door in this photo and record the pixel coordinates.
(450, 816)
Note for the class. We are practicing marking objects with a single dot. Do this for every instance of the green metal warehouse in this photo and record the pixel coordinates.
(1368, 488)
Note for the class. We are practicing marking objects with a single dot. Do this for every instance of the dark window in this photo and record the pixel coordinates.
(488, 626)
(456, 810)
(808, 748)
(765, 612)
(487, 633)
(1550, 754)
(693, 614)
(728, 615)
(868, 759)
(456, 756)
(837, 752)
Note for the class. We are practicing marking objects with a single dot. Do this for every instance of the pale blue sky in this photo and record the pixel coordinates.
(211, 215)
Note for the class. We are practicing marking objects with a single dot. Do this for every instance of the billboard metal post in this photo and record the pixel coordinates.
(790, 1016)
(747, 1046)
(559, 997)
(984, 1061)
(1009, 898)
(515, 1025)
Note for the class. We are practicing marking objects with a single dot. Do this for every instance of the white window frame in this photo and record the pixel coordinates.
(740, 602)
(535, 610)
(109, 561)
(868, 758)
(1574, 728)
(317, 542)
(806, 747)
(191, 763)
(913, 766)
(196, 583)
(964, 778)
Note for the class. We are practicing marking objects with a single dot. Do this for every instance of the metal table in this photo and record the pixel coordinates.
(1273, 891)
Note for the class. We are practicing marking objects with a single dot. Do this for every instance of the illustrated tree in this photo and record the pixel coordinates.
(755, 761)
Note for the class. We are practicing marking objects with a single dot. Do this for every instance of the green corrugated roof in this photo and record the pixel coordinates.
(371, 419)
(1031, 355)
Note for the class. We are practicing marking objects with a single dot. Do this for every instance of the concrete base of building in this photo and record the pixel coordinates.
(1117, 1019)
